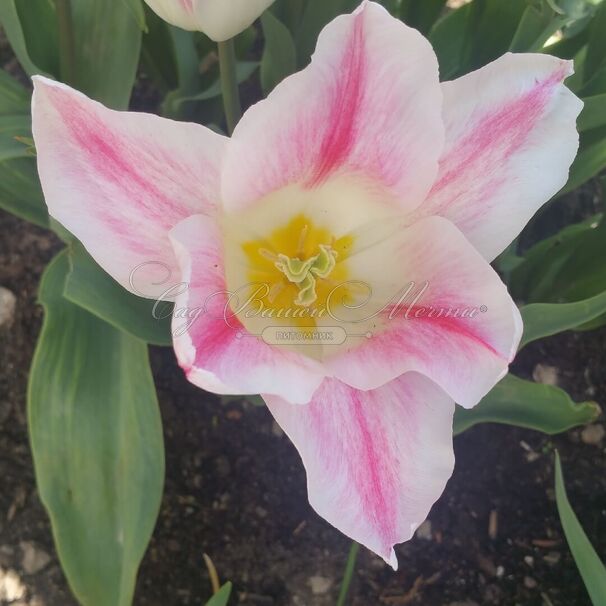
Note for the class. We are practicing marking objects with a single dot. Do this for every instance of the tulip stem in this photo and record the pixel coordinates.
(349, 572)
(229, 84)
(67, 45)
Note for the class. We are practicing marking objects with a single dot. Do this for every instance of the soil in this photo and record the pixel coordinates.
(235, 489)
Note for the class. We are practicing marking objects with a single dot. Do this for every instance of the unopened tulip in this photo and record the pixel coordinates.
(337, 248)
(218, 19)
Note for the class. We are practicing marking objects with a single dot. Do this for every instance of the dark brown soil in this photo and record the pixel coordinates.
(235, 489)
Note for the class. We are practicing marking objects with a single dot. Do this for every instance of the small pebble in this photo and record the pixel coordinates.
(530, 583)
(8, 304)
(34, 559)
(529, 560)
(11, 587)
(552, 558)
(593, 434)
(500, 572)
(319, 585)
(547, 375)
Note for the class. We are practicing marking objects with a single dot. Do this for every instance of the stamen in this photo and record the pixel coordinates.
(275, 291)
(302, 239)
(304, 274)
(268, 254)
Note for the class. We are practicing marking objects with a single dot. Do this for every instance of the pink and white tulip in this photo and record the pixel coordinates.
(362, 169)
(218, 19)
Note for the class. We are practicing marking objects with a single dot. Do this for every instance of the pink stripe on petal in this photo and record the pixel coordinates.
(511, 137)
(375, 460)
(120, 181)
(340, 138)
(465, 354)
(216, 353)
(368, 106)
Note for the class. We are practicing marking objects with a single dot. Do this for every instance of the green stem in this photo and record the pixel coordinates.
(67, 45)
(229, 84)
(349, 572)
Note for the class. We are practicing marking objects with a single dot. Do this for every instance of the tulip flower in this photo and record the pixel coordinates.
(218, 19)
(336, 247)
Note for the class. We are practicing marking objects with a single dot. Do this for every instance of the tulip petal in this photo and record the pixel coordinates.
(510, 139)
(368, 106)
(376, 461)
(120, 181)
(461, 330)
(212, 347)
(218, 19)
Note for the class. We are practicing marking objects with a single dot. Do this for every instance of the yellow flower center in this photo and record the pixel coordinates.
(299, 265)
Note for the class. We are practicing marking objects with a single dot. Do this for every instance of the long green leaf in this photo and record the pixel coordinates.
(279, 56)
(12, 127)
(221, 598)
(590, 161)
(562, 268)
(91, 288)
(108, 42)
(523, 403)
(20, 191)
(596, 47)
(14, 99)
(587, 560)
(158, 52)
(316, 15)
(546, 319)
(40, 28)
(11, 22)
(244, 70)
(96, 438)
(593, 114)
(448, 38)
(493, 30)
(538, 23)
(421, 15)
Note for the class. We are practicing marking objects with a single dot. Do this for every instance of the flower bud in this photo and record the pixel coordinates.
(218, 19)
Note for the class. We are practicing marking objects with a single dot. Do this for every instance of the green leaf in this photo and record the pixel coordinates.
(12, 127)
(448, 38)
(221, 598)
(40, 27)
(596, 47)
(244, 70)
(316, 15)
(14, 98)
(108, 42)
(20, 191)
(491, 28)
(158, 52)
(279, 56)
(590, 161)
(421, 15)
(593, 114)
(546, 319)
(93, 289)
(563, 268)
(289, 12)
(538, 24)
(587, 560)
(11, 23)
(515, 401)
(96, 438)
(138, 12)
